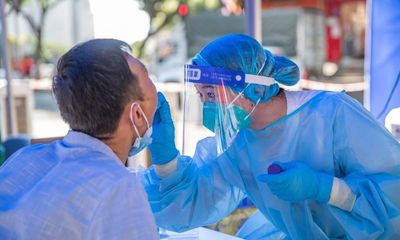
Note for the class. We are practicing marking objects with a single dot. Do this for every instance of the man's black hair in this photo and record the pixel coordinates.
(92, 85)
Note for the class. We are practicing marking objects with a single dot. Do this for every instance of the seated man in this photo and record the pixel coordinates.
(78, 187)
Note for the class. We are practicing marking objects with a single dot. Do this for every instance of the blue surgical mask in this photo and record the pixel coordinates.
(140, 142)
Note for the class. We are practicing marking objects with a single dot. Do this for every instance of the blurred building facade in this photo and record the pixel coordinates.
(311, 32)
(345, 24)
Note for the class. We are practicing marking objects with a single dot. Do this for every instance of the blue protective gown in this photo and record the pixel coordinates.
(331, 133)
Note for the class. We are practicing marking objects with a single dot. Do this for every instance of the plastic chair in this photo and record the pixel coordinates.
(14, 143)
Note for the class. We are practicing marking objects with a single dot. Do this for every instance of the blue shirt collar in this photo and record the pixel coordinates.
(79, 139)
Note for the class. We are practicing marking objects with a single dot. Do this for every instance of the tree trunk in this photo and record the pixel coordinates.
(37, 58)
(141, 48)
(17, 36)
(39, 42)
(167, 19)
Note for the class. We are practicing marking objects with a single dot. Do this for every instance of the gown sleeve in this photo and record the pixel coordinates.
(367, 159)
(200, 192)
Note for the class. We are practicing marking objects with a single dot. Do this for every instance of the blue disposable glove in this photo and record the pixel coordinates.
(298, 182)
(162, 148)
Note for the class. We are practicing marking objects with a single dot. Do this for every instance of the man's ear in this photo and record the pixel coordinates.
(136, 115)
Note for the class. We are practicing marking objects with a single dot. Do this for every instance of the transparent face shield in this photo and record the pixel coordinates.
(213, 108)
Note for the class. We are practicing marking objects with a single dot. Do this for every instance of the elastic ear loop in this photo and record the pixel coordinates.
(239, 95)
(258, 101)
(133, 124)
(241, 92)
(262, 67)
(254, 108)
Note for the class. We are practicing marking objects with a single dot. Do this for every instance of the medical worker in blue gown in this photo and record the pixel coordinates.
(339, 167)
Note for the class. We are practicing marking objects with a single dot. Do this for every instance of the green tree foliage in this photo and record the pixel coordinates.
(164, 13)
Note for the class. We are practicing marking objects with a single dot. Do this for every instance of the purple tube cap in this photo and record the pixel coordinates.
(274, 169)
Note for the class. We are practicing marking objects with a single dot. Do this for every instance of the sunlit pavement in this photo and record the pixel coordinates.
(47, 124)
(46, 120)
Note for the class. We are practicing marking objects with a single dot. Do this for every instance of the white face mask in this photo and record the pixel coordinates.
(140, 142)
